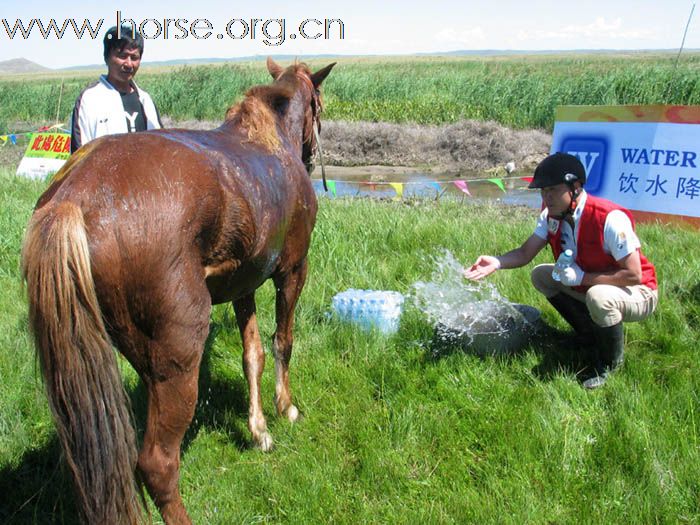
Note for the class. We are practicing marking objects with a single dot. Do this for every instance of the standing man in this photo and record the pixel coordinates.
(115, 104)
(610, 280)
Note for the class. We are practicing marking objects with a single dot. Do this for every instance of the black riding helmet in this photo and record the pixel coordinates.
(557, 168)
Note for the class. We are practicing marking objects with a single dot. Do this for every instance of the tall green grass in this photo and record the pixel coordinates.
(520, 92)
(390, 434)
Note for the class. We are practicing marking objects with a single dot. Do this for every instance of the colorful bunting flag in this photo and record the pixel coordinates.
(437, 187)
(12, 137)
(462, 185)
(398, 187)
(499, 183)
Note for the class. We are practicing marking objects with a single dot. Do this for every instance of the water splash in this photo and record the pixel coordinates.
(469, 313)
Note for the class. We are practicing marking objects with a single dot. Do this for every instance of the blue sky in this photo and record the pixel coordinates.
(394, 27)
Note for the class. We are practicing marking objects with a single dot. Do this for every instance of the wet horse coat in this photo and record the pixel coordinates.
(131, 245)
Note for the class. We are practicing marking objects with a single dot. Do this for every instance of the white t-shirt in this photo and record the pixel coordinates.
(619, 238)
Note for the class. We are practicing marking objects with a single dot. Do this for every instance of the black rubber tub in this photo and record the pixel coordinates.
(506, 333)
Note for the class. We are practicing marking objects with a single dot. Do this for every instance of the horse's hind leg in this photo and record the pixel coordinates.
(253, 365)
(171, 379)
(289, 286)
(171, 406)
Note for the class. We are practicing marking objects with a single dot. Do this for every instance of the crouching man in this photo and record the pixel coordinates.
(610, 281)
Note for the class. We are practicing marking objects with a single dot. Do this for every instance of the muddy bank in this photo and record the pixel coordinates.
(380, 148)
(466, 146)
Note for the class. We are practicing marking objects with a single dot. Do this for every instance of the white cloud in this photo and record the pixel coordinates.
(600, 28)
(468, 37)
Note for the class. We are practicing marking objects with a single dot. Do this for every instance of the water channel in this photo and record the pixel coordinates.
(375, 182)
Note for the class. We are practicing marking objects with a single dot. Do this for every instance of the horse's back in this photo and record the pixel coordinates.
(172, 177)
(156, 201)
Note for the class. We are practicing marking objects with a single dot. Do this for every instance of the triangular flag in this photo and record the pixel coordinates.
(435, 185)
(462, 185)
(527, 179)
(331, 187)
(4, 139)
(13, 139)
(499, 183)
(398, 187)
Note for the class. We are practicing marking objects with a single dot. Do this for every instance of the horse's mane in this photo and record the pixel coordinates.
(261, 107)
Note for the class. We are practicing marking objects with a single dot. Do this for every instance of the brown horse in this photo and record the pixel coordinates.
(131, 245)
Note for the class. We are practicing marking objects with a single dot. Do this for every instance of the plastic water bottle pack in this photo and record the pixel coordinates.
(369, 308)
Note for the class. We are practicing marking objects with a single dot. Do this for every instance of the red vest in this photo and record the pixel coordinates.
(589, 244)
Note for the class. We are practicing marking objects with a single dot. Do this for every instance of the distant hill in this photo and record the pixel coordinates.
(200, 61)
(20, 65)
(456, 53)
(508, 52)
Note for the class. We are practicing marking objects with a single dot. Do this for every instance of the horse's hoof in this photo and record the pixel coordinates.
(293, 413)
(264, 442)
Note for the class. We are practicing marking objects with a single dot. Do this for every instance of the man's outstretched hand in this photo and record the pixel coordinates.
(485, 265)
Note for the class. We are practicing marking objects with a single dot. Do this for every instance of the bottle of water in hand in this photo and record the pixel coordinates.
(566, 258)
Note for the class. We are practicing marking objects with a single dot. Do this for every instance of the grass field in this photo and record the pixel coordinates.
(517, 91)
(391, 434)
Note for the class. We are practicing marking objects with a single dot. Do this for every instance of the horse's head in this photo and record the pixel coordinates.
(309, 87)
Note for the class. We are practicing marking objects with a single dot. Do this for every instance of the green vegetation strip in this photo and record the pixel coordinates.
(390, 434)
(520, 91)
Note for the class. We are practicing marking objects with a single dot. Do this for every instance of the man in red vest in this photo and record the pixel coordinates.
(610, 280)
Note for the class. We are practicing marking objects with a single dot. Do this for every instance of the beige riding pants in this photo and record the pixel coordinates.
(607, 304)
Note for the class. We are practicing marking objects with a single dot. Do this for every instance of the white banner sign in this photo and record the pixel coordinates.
(643, 165)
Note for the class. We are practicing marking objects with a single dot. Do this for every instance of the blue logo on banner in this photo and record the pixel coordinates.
(591, 152)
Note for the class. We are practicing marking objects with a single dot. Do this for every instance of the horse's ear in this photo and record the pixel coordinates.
(274, 68)
(321, 74)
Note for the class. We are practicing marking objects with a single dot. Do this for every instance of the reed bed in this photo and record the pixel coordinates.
(516, 91)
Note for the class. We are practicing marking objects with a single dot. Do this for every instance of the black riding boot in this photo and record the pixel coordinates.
(576, 314)
(611, 343)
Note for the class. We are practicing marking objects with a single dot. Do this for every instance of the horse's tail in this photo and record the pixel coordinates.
(83, 384)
